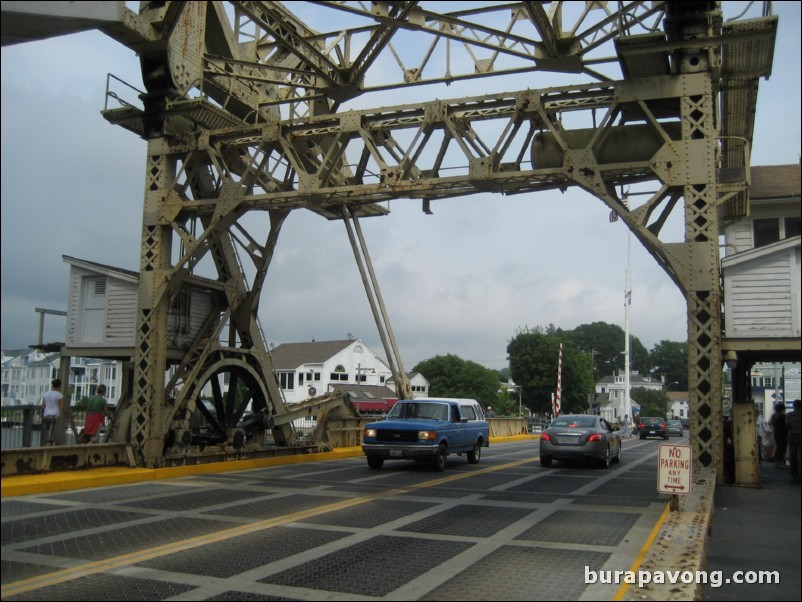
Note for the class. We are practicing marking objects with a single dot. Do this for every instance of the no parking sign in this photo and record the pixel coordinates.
(674, 469)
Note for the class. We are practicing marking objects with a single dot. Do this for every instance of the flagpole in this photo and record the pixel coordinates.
(627, 410)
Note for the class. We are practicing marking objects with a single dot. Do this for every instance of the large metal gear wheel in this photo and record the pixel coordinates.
(226, 406)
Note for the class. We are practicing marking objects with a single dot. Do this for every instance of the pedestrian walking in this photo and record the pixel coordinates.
(780, 434)
(625, 426)
(760, 427)
(52, 411)
(794, 424)
(96, 411)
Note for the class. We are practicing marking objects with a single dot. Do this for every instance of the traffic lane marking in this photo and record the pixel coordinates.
(100, 566)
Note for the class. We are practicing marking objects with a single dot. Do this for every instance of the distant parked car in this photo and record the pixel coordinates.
(675, 428)
(686, 422)
(580, 437)
(653, 427)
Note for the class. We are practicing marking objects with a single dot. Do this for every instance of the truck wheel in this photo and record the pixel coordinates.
(375, 462)
(475, 454)
(440, 458)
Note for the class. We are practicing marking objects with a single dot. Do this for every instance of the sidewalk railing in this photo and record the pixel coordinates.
(22, 426)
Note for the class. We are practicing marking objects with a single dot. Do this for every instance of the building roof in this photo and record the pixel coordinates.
(12, 353)
(634, 379)
(775, 181)
(289, 356)
(101, 267)
(132, 276)
(47, 360)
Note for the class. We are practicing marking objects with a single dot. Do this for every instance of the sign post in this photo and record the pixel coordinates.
(675, 463)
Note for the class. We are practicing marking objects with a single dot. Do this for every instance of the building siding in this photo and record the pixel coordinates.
(758, 297)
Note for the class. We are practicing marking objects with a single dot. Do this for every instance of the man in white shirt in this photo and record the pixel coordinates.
(52, 411)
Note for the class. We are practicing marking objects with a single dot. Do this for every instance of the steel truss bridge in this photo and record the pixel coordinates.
(259, 106)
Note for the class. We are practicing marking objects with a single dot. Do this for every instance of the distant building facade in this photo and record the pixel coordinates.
(306, 370)
(611, 389)
(28, 373)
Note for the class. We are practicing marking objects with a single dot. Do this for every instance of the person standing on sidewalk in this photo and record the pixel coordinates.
(96, 411)
(52, 411)
(780, 434)
(794, 423)
(760, 426)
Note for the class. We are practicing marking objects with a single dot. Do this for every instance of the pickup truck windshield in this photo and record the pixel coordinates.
(424, 411)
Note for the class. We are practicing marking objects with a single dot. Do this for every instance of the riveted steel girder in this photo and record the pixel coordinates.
(273, 138)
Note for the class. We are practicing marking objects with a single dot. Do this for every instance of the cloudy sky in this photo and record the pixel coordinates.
(460, 281)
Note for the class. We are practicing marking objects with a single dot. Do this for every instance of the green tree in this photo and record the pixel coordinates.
(670, 361)
(652, 403)
(451, 376)
(606, 341)
(533, 356)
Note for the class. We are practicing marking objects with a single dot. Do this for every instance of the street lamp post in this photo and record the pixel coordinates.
(520, 405)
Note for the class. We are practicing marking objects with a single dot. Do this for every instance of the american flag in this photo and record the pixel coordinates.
(628, 298)
(613, 214)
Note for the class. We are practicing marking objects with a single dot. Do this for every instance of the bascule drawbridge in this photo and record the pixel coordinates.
(259, 107)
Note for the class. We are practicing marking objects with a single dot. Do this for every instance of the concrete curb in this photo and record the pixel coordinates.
(680, 549)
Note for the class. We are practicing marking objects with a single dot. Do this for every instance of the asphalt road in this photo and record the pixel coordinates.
(336, 530)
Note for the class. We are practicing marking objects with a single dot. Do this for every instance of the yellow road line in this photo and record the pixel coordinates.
(99, 566)
(619, 595)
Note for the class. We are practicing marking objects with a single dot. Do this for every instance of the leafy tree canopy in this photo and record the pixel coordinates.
(670, 361)
(534, 358)
(451, 376)
(652, 403)
(606, 342)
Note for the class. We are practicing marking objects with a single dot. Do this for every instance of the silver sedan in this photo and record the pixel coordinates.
(580, 437)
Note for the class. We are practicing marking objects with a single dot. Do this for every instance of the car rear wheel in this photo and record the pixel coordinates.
(441, 458)
(375, 462)
(545, 461)
(475, 454)
(605, 461)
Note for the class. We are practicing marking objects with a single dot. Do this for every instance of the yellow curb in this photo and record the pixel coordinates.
(53, 482)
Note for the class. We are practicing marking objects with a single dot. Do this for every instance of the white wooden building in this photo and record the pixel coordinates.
(761, 266)
(101, 313)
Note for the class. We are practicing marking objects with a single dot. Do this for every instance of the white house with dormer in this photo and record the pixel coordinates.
(314, 368)
(615, 386)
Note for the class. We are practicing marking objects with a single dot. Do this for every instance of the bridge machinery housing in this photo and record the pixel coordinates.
(249, 108)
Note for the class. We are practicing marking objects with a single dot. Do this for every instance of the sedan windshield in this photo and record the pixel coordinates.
(424, 411)
(584, 422)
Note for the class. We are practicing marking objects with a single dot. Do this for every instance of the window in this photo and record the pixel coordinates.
(287, 380)
(339, 374)
(791, 227)
(769, 230)
(468, 412)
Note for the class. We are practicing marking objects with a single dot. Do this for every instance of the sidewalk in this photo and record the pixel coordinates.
(757, 530)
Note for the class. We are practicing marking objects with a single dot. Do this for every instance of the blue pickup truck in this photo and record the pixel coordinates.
(427, 429)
